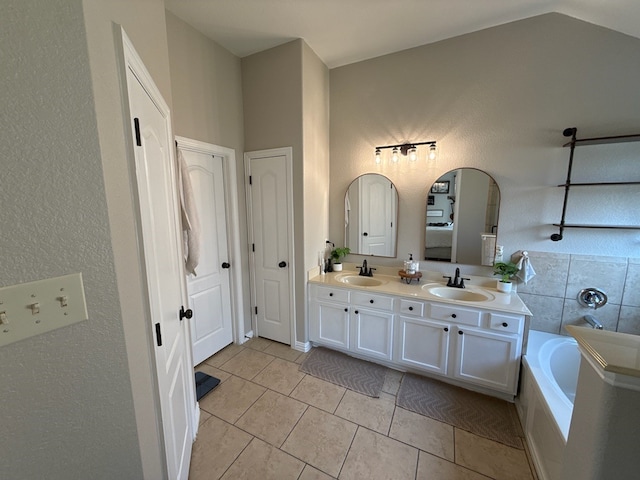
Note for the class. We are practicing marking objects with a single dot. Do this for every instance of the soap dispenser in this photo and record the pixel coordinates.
(410, 265)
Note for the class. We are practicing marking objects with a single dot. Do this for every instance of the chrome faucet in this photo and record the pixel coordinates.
(458, 281)
(593, 321)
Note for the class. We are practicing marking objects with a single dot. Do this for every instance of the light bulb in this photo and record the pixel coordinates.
(394, 155)
(432, 152)
(378, 156)
(413, 154)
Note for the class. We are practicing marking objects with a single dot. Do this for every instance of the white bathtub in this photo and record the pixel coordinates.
(545, 404)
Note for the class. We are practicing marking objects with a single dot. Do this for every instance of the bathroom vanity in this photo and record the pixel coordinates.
(471, 337)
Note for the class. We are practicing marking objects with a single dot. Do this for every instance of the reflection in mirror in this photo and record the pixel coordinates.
(370, 216)
(462, 218)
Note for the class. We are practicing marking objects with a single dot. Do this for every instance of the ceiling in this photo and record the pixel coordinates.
(347, 31)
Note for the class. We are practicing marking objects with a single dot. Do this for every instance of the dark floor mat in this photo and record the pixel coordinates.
(204, 384)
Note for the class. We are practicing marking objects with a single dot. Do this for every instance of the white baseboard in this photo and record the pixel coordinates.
(302, 347)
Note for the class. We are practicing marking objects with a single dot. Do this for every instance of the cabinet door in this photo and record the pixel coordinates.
(372, 333)
(487, 358)
(329, 324)
(422, 344)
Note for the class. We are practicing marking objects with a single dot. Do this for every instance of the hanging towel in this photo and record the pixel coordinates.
(190, 220)
(525, 269)
(347, 209)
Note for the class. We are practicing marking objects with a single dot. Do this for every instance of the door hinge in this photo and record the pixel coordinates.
(158, 335)
(253, 247)
(136, 124)
(250, 180)
(256, 310)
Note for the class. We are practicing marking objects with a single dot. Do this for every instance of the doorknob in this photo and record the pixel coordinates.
(365, 234)
(188, 313)
(282, 264)
(226, 264)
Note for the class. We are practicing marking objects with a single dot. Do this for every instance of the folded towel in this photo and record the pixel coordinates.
(525, 269)
(190, 220)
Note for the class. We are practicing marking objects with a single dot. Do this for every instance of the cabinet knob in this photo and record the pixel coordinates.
(460, 332)
(356, 312)
(370, 301)
(346, 309)
(446, 329)
(331, 294)
(453, 315)
(411, 309)
(505, 324)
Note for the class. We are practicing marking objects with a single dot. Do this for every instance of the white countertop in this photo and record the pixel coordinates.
(394, 285)
(614, 355)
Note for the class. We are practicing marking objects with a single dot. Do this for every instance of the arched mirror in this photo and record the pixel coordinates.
(371, 216)
(462, 218)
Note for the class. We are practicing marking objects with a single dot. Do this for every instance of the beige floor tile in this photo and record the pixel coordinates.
(321, 439)
(431, 467)
(373, 413)
(247, 364)
(272, 417)
(283, 351)
(224, 355)
(261, 461)
(323, 395)
(217, 446)
(257, 343)
(310, 473)
(204, 416)
(280, 375)
(231, 398)
(490, 458)
(213, 371)
(303, 356)
(392, 381)
(374, 456)
(423, 432)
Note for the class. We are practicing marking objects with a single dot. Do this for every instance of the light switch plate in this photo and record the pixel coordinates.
(29, 309)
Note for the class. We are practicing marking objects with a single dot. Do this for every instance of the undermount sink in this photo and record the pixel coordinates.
(359, 281)
(460, 294)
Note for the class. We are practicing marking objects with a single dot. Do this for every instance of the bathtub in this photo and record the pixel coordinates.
(545, 403)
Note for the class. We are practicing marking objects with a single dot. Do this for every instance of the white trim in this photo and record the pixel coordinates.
(233, 218)
(302, 346)
(287, 152)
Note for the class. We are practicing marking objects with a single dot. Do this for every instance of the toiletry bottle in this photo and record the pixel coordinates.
(411, 266)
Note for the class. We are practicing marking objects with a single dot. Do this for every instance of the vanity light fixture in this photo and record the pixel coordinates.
(406, 149)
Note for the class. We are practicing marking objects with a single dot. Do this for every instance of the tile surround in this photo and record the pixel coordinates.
(252, 431)
(551, 294)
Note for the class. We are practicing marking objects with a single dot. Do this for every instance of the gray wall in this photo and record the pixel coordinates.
(67, 397)
(206, 86)
(496, 100)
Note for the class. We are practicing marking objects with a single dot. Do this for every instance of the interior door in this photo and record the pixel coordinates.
(270, 189)
(156, 187)
(209, 290)
(377, 202)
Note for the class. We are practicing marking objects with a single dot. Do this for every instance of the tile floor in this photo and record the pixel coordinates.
(266, 420)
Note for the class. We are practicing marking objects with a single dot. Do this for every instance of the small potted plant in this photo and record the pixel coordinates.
(506, 270)
(336, 255)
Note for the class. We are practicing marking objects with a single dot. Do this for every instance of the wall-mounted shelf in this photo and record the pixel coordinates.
(576, 142)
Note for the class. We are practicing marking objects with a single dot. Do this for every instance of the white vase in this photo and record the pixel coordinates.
(504, 287)
(337, 267)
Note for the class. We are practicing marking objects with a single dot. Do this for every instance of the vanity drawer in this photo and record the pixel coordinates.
(328, 294)
(409, 307)
(374, 301)
(506, 323)
(450, 313)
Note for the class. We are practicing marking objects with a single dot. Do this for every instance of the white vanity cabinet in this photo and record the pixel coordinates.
(329, 316)
(372, 325)
(465, 344)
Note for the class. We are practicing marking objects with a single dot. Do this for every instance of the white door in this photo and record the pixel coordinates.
(156, 188)
(377, 203)
(423, 344)
(271, 224)
(209, 291)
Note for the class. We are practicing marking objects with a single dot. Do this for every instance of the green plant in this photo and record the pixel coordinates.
(340, 252)
(506, 270)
